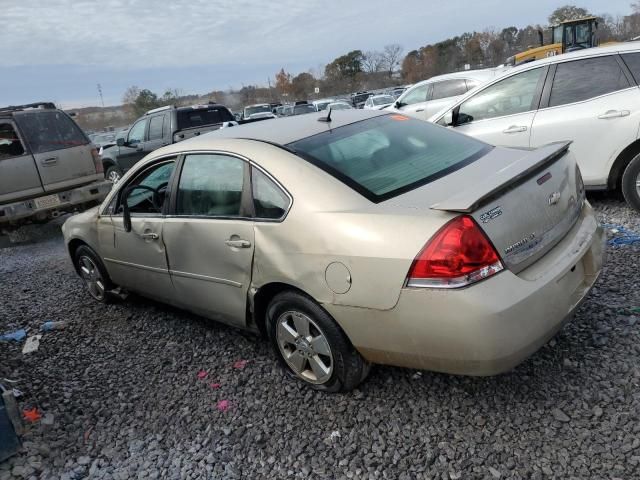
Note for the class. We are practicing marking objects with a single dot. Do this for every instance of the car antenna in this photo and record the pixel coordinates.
(326, 119)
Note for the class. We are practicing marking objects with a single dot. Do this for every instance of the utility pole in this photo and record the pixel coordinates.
(101, 97)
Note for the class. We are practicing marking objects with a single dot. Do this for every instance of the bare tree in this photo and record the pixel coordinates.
(373, 61)
(392, 55)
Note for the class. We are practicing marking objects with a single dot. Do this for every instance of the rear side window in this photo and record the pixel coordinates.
(10, 144)
(211, 185)
(448, 88)
(633, 62)
(584, 79)
(47, 131)
(155, 127)
(191, 118)
(385, 156)
(269, 201)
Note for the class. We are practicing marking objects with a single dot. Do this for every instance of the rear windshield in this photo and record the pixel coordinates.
(191, 118)
(382, 100)
(300, 109)
(385, 156)
(47, 131)
(256, 109)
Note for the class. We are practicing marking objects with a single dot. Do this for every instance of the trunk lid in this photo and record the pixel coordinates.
(526, 206)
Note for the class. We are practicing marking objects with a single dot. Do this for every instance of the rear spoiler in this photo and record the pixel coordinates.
(486, 188)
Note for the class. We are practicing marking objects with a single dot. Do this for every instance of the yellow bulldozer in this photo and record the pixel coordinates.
(567, 36)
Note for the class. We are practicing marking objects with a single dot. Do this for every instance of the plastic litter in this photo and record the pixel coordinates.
(32, 344)
(622, 235)
(48, 326)
(223, 405)
(240, 364)
(31, 415)
(215, 386)
(15, 336)
(335, 435)
(202, 374)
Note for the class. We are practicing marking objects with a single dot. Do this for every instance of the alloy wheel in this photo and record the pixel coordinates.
(114, 176)
(304, 347)
(92, 277)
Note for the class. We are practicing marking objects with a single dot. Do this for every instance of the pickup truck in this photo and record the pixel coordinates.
(47, 165)
(159, 127)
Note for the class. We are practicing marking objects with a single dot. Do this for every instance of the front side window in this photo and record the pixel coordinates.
(633, 63)
(50, 130)
(148, 190)
(583, 79)
(136, 134)
(155, 127)
(448, 88)
(10, 144)
(515, 94)
(211, 185)
(415, 95)
(385, 156)
(269, 201)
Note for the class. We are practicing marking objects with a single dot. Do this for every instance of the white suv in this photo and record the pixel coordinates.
(428, 97)
(590, 97)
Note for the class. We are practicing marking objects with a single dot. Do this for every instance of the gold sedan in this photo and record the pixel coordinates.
(350, 238)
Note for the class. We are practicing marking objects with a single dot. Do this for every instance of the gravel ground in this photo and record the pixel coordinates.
(122, 383)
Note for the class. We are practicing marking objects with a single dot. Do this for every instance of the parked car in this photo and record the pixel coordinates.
(103, 140)
(159, 127)
(250, 110)
(303, 108)
(377, 238)
(322, 104)
(358, 99)
(426, 98)
(589, 97)
(47, 164)
(378, 102)
(339, 106)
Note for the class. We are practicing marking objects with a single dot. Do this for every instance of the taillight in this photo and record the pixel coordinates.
(459, 254)
(97, 161)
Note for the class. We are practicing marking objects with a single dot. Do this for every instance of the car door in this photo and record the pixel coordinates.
(137, 259)
(594, 103)
(18, 173)
(443, 94)
(503, 112)
(413, 101)
(133, 149)
(209, 236)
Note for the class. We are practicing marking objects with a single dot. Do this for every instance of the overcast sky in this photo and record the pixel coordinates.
(61, 49)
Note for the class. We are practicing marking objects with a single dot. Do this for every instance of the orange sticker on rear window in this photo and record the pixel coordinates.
(399, 118)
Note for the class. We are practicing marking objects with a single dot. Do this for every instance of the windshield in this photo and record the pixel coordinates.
(388, 155)
(300, 109)
(382, 100)
(192, 117)
(248, 111)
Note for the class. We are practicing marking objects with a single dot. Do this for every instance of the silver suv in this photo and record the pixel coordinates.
(47, 164)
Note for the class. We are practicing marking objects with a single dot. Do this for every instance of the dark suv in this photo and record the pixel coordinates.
(47, 164)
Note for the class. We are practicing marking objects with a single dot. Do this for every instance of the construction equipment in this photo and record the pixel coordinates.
(567, 36)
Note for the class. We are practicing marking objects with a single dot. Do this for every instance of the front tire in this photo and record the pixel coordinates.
(631, 183)
(311, 346)
(113, 174)
(92, 271)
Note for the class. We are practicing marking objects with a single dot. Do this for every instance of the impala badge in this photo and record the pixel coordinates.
(554, 198)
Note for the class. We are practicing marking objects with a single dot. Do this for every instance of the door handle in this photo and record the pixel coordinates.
(420, 110)
(150, 235)
(239, 243)
(515, 129)
(614, 114)
(49, 161)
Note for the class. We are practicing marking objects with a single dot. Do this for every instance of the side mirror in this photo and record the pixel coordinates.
(120, 142)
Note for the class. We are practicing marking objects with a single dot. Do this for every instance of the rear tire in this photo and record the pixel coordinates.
(95, 276)
(113, 174)
(311, 346)
(631, 183)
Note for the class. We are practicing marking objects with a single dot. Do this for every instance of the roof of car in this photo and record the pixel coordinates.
(283, 131)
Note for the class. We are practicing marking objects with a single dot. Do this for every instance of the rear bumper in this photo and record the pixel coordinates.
(96, 191)
(487, 328)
